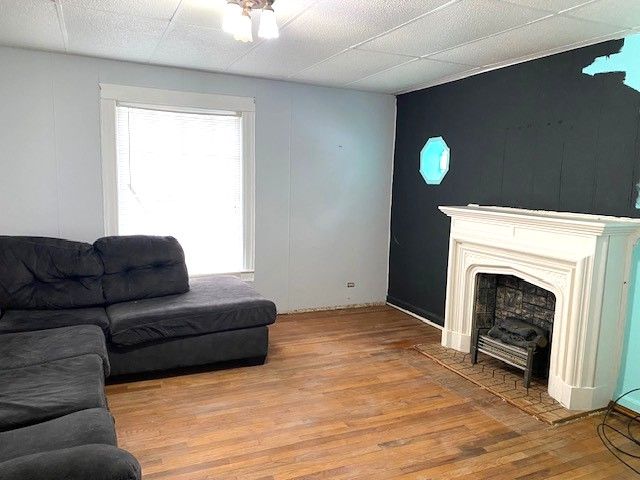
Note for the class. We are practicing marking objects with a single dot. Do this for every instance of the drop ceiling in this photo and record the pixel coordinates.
(389, 46)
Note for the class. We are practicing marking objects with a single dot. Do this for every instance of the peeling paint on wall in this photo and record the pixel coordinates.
(627, 61)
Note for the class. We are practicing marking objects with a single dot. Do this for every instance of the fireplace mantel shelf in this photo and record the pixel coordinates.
(577, 223)
(582, 259)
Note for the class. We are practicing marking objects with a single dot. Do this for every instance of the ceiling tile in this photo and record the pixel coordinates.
(280, 58)
(160, 9)
(414, 74)
(31, 24)
(325, 29)
(550, 5)
(208, 13)
(349, 66)
(112, 35)
(366, 19)
(548, 34)
(198, 47)
(458, 23)
(623, 13)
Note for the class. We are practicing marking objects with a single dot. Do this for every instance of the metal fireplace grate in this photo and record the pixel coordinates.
(516, 356)
(511, 354)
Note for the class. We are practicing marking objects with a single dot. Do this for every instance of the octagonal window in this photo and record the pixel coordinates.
(434, 160)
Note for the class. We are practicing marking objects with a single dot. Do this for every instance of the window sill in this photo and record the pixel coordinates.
(245, 275)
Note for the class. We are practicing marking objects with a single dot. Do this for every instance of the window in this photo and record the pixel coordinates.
(174, 165)
(434, 160)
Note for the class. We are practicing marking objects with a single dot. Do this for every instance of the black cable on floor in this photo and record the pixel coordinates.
(604, 427)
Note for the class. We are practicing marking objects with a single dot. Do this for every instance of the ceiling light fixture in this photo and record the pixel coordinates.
(237, 19)
(243, 28)
(232, 13)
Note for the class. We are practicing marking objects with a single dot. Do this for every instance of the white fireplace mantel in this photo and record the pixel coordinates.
(583, 259)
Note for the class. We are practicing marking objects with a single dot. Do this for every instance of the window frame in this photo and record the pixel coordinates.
(112, 96)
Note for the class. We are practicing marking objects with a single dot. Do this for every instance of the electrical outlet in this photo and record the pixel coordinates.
(350, 284)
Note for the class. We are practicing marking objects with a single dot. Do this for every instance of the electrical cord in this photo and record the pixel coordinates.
(604, 427)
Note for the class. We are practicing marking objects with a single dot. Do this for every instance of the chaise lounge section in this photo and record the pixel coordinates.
(137, 290)
(218, 319)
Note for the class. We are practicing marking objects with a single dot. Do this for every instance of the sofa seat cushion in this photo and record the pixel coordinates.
(141, 266)
(27, 320)
(80, 428)
(213, 304)
(49, 273)
(86, 462)
(42, 346)
(38, 393)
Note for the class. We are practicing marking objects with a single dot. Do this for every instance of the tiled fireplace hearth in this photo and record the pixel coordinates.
(583, 260)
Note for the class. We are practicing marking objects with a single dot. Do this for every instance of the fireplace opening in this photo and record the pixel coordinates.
(513, 322)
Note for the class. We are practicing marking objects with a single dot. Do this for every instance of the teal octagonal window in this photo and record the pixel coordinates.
(434, 160)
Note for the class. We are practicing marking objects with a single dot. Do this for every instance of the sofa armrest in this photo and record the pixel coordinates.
(88, 462)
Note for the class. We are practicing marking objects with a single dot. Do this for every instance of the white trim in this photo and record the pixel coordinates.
(422, 319)
(563, 222)
(249, 188)
(111, 96)
(390, 209)
(109, 165)
(178, 109)
(244, 275)
(631, 404)
(175, 98)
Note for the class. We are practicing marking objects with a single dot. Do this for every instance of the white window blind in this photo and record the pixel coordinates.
(181, 174)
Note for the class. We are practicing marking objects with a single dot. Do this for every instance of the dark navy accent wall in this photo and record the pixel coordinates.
(538, 135)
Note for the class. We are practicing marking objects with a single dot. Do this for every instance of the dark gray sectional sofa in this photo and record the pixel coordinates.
(72, 313)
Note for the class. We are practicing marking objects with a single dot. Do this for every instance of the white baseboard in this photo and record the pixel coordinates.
(631, 404)
(422, 319)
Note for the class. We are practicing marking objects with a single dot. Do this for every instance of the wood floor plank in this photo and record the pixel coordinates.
(342, 396)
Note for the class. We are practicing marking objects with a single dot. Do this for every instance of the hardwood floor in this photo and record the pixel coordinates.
(343, 395)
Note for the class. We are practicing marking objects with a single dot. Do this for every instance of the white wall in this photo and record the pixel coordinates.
(323, 169)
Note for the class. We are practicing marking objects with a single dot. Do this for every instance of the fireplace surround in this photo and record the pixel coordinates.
(583, 260)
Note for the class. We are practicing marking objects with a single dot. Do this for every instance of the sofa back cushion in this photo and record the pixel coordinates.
(141, 266)
(48, 273)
